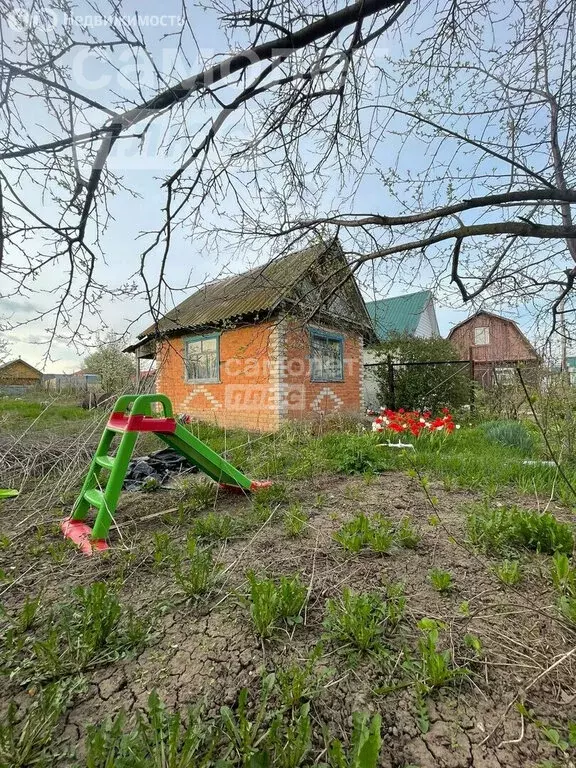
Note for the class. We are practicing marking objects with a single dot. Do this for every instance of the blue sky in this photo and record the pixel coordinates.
(190, 262)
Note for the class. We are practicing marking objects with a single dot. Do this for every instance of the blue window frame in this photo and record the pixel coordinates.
(326, 356)
(202, 358)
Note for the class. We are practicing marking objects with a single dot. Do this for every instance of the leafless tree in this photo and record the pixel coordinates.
(301, 105)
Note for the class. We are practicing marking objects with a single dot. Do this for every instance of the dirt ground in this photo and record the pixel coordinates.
(210, 650)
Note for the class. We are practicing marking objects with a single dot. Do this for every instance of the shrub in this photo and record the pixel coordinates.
(424, 386)
(508, 528)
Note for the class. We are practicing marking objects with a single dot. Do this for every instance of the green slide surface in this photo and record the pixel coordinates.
(203, 457)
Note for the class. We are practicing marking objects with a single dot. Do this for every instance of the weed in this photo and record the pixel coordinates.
(199, 493)
(300, 682)
(164, 553)
(271, 602)
(563, 575)
(355, 534)
(567, 607)
(28, 614)
(356, 620)
(150, 485)
(395, 603)
(381, 535)
(464, 608)
(365, 744)
(474, 643)
(212, 526)
(442, 581)
(406, 535)
(159, 740)
(295, 520)
(506, 528)
(24, 741)
(91, 629)
(376, 533)
(435, 667)
(292, 597)
(196, 575)
(422, 716)
(360, 454)
(243, 734)
(509, 572)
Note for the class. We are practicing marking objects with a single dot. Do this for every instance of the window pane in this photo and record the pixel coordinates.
(326, 358)
(481, 336)
(202, 361)
(209, 345)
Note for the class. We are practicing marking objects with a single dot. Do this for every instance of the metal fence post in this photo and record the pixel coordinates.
(391, 390)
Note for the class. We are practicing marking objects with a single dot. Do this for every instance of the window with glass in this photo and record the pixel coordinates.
(202, 358)
(481, 336)
(326, 356)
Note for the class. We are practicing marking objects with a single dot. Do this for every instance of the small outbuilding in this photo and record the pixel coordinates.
(19, 373)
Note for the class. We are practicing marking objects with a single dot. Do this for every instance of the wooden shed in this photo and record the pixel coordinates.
(495, 345)
(19, 373)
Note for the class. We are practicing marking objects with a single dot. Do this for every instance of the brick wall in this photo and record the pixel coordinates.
(245, 396)
(303, 398)
(264, 379)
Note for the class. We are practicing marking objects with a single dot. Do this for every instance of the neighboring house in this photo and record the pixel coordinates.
(413, 315)
(571, 363)
(18, 375)
(495, 345)
(282, 341)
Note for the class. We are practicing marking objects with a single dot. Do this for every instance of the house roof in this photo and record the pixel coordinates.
(497, 317)
(259, 290)
(23, 362)
(398, 314)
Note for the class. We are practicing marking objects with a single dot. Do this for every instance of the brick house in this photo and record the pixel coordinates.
(282, 341)
(495, 344)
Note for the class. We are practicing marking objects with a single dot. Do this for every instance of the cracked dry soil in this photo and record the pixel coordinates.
(209, 651)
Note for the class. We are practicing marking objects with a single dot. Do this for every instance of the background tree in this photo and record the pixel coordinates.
(423, 386)
(461, 138)
(116, 368)
(4, 349)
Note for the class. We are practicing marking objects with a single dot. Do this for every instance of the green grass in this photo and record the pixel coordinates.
(20, 413)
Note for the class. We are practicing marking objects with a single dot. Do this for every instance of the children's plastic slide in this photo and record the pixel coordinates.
(133, 414)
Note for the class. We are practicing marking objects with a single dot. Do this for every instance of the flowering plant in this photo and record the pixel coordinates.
(413, 422)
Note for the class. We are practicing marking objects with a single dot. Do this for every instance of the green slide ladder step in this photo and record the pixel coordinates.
(133, 414)
(105, 461)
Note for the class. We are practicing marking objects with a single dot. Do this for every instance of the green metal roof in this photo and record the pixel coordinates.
(398, 314)
(571, 362)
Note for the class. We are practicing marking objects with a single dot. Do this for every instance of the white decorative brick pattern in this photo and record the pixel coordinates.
(200, 390)
(326, 392)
